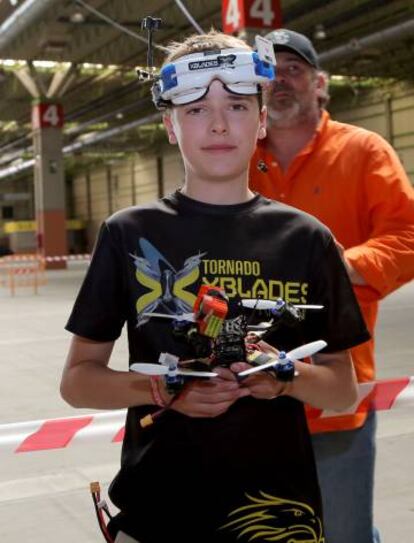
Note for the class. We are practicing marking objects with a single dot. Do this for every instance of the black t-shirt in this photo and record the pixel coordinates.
(250, 470)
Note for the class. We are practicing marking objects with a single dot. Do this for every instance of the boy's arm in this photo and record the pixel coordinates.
(87, 381)
(328, 383)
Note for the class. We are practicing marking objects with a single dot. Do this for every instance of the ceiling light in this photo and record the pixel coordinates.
(44, 63)
(77, 18)
(319, 32)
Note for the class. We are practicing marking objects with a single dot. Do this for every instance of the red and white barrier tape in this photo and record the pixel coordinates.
(33, 257)
(375, 396)
(66, 258)
(108, 426)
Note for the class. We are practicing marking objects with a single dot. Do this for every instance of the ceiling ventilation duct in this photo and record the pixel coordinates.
(354, 46)
(22, 18)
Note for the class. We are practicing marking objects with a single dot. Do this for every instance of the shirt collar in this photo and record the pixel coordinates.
(320, 130)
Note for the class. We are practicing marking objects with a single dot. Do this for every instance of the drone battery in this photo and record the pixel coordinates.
(211, 309)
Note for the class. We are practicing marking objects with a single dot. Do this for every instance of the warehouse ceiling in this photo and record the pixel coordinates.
(93, 47)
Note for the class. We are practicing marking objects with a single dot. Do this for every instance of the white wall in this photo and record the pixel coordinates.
(390, 116)
(124, 183)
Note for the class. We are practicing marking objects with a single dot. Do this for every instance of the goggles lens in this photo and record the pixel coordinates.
(189, 78)
(191, 95)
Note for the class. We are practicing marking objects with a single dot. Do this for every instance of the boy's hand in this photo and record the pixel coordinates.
(261, 345)
(210, 397)
(261, 385)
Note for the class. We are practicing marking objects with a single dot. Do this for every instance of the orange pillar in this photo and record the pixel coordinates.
(47, 121)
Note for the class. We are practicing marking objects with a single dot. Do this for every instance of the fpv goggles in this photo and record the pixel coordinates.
(188, 79)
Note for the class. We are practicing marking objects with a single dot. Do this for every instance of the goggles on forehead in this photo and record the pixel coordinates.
(188, 79)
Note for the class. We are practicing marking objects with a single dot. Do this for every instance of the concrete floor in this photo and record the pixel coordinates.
(44, 496)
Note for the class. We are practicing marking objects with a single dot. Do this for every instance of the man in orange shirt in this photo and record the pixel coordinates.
(352, 181)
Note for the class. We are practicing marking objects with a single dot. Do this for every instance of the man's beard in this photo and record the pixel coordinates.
(285, 117)
(289, 111)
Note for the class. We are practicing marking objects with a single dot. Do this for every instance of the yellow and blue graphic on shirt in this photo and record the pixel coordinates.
(269, 518)
(167, 289)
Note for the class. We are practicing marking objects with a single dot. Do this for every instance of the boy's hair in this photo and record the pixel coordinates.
(197, 43)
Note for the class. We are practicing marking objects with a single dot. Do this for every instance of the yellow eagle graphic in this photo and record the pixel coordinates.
(268, 518)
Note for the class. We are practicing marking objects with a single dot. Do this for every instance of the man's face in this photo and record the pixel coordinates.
(217, 134)
(294, 93)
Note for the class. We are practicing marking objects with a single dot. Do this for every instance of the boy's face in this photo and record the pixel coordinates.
(217, 134)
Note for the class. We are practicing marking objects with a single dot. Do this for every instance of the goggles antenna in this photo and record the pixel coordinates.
(151, 25)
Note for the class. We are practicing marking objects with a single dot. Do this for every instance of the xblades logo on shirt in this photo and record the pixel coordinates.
(225, 61)
(165, 287)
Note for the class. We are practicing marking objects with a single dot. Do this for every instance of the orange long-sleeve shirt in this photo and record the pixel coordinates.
(351, 180)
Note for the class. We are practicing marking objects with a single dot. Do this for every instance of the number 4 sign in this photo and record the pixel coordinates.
(47, 115)
(240, 14)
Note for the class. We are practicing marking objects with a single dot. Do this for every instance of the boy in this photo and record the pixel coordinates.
(211, 470)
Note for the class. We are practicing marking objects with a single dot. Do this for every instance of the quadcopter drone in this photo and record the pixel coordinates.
(175, 373)
(220, 341)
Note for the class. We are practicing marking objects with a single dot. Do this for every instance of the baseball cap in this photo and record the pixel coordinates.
(289, 40)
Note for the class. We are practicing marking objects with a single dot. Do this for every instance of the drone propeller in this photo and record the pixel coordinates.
(149, 369)
(182, 317)
(308, 306)
(261, 305)
(260, 327)
(158, 369)
(306, 350)
(299, 352)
